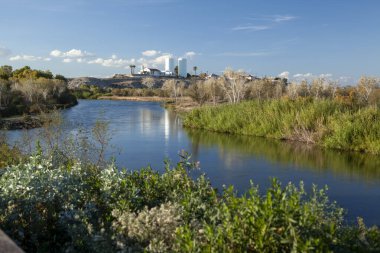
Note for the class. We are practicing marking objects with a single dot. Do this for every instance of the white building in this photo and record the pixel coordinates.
(169, 65)
(150, 72)
(182, 67)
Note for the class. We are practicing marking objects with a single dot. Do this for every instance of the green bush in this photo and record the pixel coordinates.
(49, 205)
(322, 122)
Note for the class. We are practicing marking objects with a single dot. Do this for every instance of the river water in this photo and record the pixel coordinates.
(144, 133)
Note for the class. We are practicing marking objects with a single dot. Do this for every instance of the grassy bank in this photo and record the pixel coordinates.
(322, 122)
(56, 205)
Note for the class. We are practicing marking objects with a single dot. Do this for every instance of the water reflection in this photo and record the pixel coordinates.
(144, 133)
(299, 156)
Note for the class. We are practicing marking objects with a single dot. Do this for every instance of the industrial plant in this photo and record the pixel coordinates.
(169, 70)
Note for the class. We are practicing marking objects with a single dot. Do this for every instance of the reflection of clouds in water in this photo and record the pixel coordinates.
(146, 122)
(167, 132)
(230, 158)
(235, 150)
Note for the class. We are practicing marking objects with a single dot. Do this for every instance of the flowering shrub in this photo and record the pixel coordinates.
(53, 205)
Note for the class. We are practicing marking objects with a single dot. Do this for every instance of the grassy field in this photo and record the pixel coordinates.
(322, 122)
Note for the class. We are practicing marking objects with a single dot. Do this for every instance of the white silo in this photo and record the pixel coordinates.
(169, 64)
(182, 67)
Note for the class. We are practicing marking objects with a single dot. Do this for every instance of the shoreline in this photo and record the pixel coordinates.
(20, 122)
(139, 99)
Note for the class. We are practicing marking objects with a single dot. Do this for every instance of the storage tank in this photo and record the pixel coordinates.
(182, 67)
(169, 64)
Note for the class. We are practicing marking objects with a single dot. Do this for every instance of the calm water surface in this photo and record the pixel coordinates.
(144, 133)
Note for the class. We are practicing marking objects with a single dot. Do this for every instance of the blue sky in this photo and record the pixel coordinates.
(333, 38)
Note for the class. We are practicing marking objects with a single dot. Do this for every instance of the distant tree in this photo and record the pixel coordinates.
(171, 86)
(149, 82)
(5, 72)
(60, 77)
(365, 87)
(233, 84)
(214, 90)
(21, 73)
(195, 70)
(203, 75)
(44, 74)
(176, 71)
(198, 92)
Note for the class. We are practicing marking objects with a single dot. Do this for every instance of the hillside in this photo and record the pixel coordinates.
(117, 81)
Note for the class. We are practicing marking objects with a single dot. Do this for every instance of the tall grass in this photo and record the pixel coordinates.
(322, 122)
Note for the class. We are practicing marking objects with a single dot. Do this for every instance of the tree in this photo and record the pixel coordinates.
(233, 84)
(149, 82)
(176, 71)
(198, 92)
(213, 89)
(365, 87)
(5, 72)
(60, 77)
(195, 70)
(132, 67)
(172, 87)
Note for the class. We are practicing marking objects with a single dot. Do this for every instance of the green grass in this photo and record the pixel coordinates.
(322, 122)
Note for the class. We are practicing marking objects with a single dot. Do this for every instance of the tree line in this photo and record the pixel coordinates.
(235, 86)
(30, 91)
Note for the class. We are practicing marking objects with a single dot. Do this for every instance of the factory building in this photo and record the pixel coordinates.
(169, 65)
(182, 67)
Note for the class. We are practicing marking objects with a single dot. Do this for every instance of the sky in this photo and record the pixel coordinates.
(337, 39)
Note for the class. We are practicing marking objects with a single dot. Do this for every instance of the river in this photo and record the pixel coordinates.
(144, 133)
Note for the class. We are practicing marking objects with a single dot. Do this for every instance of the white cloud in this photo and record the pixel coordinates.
(151, 53)
(73, 53)
(190, 54)
(249, 27)
(311, 76)
(154, 62)
(114, 62)
(67, 60)
(28, 58)
(243, 54)
(325, 76)
(273, 18)
(80, 60)
(283, 18)
(4, 51)
(284, 74)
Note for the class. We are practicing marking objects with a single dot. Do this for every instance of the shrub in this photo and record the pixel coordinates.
(52, 205)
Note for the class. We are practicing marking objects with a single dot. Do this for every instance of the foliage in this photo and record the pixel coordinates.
(26, 91)
(322, 122)
(90, 92)
(8, 154)
(50, 205)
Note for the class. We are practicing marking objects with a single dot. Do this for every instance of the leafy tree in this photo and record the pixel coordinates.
(5, 72)
(60, 77)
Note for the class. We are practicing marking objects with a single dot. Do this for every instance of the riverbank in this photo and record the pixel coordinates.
(21, 122)
(319, 122)
(140, 99)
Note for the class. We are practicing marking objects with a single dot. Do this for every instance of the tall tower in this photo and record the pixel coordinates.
(169, 64)
(182, 67)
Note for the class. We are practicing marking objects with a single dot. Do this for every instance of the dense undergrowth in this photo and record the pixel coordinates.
(323, 122)
(50, 204)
